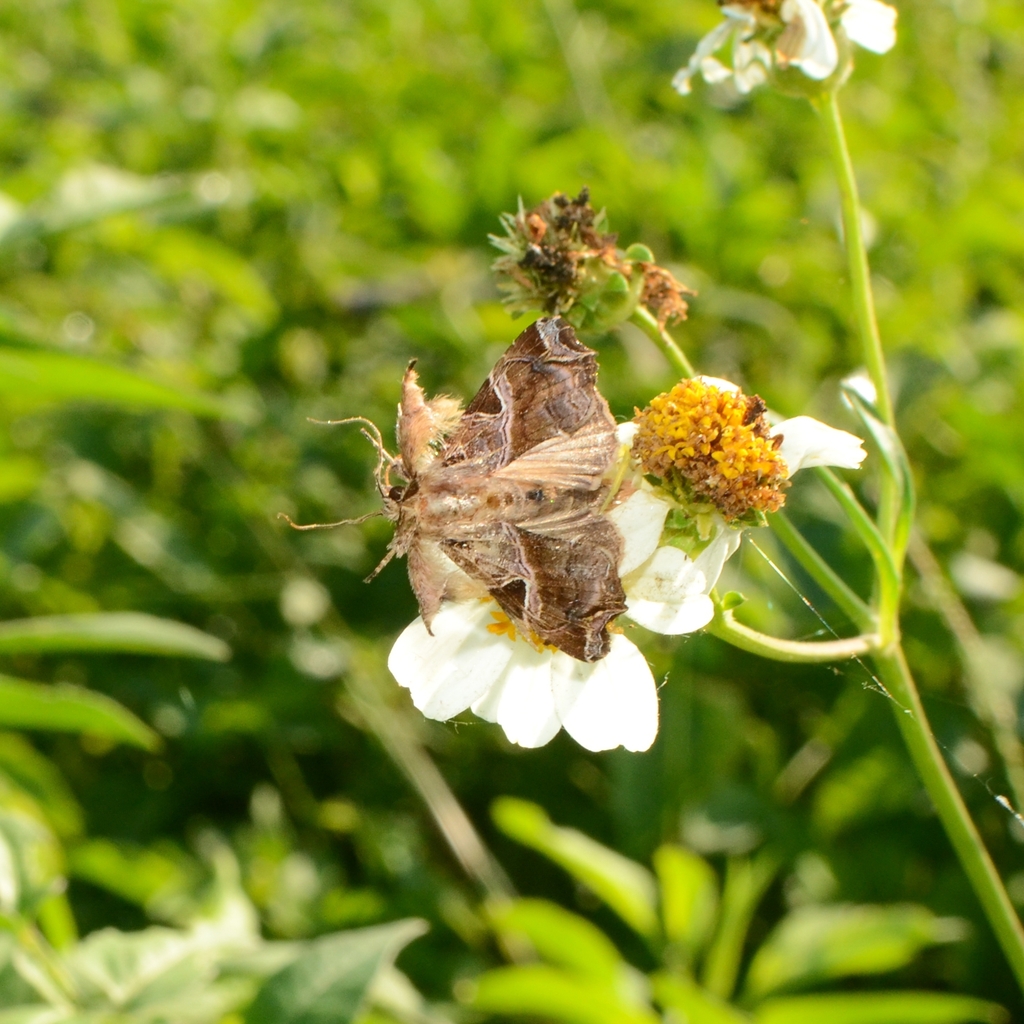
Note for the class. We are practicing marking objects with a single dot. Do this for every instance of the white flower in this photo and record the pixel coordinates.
(806, 41)
(808, 442)
(668, 591)
(871, 24)
(530, 693)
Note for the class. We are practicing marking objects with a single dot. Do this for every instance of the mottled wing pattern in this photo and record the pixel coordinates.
(564, 588)
(539, 407)
(539, 423)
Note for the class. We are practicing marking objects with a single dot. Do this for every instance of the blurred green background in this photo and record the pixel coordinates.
(263, 210)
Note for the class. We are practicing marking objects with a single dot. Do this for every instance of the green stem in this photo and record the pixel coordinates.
(889, 579)
(932, 769)
(863, 297)
(746, 882)
(856, 254)
(822, 573)
(801, 652)
(649, 325)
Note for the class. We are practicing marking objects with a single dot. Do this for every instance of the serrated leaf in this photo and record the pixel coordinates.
(328, 983)
(816, 943)
(62, 376)
(544, 991)
(881, 1008)
(131, 632)
(65, 708)
(627, 887)
(561, 937)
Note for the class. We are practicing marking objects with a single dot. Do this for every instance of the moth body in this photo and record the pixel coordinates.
(505, 499)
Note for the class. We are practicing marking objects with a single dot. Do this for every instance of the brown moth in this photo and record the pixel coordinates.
(507, 498)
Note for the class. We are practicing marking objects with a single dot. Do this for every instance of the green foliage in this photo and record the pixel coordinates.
(624, 885)
(218, 219)
(585, 981)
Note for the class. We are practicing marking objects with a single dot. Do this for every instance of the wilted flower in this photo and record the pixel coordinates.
(477, 659)
(766, 36)
(706, 464)
(559, 257)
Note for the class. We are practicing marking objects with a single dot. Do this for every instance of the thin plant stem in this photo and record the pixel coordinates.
(860, 285)
(822, 573)
(893, 508)
(934, 773)
(799, 652)
(856, 254)
(887, 572)
(993, 704)
(647, 323)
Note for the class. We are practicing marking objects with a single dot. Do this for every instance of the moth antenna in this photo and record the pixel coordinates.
(384, 561)
(385, 460)
(376, 440)
(327, 526)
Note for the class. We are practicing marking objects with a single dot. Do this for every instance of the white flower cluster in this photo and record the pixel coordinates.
(806, 41)
(466, 663)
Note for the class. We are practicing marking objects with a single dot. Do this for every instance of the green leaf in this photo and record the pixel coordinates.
(143, 969)
(327, 984)
(62, 376)
(695, 1004)
(816, 943)
(627, 887)
(880, 1008)
(31, 859)
(39, 778)
(159, 879)
(539, 990)
(19, 475)
(133, 632)
(561, 937)
(66, 708)
(689, 895)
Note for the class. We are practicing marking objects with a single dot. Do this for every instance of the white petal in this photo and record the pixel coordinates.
(720, 383)
(808, 442)
(713, 41)
(626, 433)
(871, 24)
(749, 66)
(455, 667)
(713, 558)
(526, 708)
(816, 55)
(640, 519)
(608, 703)
(713, 71)
(669, 594)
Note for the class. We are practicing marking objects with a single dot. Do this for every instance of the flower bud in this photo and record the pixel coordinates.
(559, 258)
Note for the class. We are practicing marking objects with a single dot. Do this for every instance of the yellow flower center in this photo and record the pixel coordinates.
(504, 626)
(715, 445)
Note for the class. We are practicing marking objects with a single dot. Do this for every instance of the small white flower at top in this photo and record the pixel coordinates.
(706, 465)
(766, 35)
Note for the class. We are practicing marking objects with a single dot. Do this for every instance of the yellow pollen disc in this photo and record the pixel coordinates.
(504, 626)
(716, 442)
